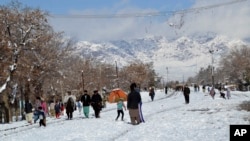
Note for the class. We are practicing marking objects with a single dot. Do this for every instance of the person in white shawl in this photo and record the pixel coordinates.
(66, 98)
(69, 102)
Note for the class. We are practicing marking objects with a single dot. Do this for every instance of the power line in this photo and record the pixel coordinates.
(148, 14)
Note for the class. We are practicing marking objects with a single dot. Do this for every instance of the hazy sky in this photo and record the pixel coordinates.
(232, 20)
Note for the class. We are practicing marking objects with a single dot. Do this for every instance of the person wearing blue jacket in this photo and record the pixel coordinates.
(41, 116)
(120, 106)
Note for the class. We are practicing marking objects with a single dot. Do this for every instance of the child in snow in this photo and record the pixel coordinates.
(57, 109)
(61, 108)
(120, 106)
(79, 106)
(41, 116)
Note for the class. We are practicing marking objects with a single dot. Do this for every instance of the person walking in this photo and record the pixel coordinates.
(61, 107)
(79, 106)
(44, 106)
(86, 100)
(166, 89)
(28, 111)
(186, 92)
(96, 102)
(203, 88)
(133, 101)
(222, 93)
(152, 93)
(37, 105)
(212, 92)
(42, 117)
(57, 109)
(120, 106)
(52, 108)
(69, 101)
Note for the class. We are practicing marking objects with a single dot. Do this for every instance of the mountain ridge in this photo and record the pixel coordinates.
(180, 57)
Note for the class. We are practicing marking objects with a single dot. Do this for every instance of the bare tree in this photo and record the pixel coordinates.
(138, 72)
(236, 65)
(32, 51)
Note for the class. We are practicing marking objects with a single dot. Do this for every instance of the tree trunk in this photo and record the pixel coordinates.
(6, 107)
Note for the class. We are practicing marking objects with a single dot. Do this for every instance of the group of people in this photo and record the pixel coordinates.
(133, 102)
(186, 92)
(39, 112)
(83, 104)
(40, 109)
(221, 90)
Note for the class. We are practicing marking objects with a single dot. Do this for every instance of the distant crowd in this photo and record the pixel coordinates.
(40, 110)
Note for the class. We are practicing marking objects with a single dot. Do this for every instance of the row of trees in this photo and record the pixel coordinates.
(29, 54)
(37, 61)
(234, 68)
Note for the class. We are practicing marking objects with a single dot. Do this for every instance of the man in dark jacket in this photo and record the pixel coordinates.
(186, 92)
(85, 99)
(28, 111)
(134, 98)
(96, 102)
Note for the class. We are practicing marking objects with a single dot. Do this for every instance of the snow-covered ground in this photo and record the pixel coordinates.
(166, 118)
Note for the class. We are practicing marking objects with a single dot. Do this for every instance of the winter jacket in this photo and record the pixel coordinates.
(96, 98)
(28, 107)
(151, 92)
(186, 91)
(96, 101)
(120, 105)
(44, 107)
(85, 99)
(41, 114)
(57, 108)
(134, 98)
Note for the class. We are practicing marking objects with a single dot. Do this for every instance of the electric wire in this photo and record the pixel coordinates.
(148, 14)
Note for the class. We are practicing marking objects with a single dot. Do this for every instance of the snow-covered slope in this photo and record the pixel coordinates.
(183, 56)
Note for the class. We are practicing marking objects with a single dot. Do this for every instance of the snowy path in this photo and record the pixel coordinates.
(23, 126)
(167, 118)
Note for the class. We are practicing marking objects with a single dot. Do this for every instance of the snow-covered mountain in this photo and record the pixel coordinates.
(180, 58)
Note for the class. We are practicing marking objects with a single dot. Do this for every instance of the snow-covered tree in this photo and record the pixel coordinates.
(236, 65)
(30, 52)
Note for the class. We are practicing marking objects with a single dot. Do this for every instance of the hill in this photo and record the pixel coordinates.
(183, 56)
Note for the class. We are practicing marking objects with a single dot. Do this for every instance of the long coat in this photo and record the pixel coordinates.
(134, 98)
(28, 107)
(86, 100)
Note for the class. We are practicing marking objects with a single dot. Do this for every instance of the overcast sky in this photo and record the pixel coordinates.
(232, 20)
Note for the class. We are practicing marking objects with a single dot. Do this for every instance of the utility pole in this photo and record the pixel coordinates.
(82, 82)
(167, 76)
(212, 55)
(183, 79)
